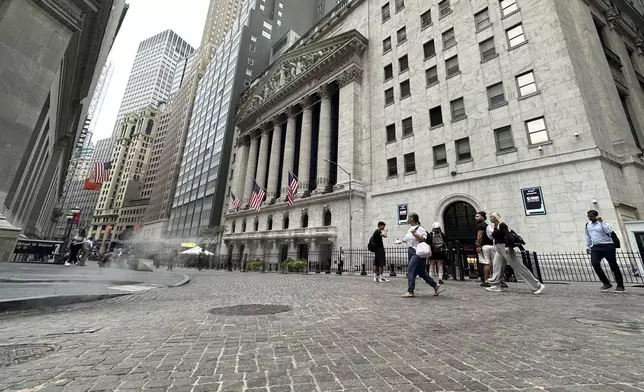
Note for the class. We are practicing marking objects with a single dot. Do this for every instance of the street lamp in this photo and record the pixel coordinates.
(350, 210)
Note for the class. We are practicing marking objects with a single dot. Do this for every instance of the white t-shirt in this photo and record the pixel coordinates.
(411, 240)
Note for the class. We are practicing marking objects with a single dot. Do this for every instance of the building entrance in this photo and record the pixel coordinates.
(459, 223)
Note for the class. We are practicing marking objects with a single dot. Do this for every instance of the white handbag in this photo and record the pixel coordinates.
(423, 250)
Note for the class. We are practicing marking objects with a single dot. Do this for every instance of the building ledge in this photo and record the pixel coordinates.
(325, 232)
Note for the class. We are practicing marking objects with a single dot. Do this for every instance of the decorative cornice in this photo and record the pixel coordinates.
(296, 69)
(620, 15)
(62, 12)
(352, 74)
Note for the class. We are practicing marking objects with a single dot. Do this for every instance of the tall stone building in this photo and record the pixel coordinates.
(533, 109)
(244, 53)
(51, 58)
(122, 201)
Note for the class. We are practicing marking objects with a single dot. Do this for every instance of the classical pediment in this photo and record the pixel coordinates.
(296, 68)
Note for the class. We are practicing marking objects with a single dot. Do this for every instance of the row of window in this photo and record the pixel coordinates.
(536, 129)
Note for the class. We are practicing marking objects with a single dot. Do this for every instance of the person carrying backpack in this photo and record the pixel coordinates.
(505, 240)
(601, 243)
(378, 248)
(438, 241)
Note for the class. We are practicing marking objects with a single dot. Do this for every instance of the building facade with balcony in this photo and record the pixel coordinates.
(531, 109)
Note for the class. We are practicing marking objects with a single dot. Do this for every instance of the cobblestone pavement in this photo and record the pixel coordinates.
(343, 333)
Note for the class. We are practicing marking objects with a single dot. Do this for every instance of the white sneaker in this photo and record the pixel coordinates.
(539, 290)
(494, 288)
(67, 263)
(384, 280)
(375, 278)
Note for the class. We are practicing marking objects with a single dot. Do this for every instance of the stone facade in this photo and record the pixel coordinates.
(451, 140)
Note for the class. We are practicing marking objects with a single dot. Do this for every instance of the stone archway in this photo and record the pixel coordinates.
(458, 222)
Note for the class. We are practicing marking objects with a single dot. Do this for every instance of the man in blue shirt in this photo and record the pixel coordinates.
(599, 244)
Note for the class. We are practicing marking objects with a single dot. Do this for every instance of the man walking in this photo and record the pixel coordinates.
(484, 246)
(379, 251)
(600, 245)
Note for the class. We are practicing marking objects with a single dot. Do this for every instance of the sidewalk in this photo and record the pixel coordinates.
(24, 286)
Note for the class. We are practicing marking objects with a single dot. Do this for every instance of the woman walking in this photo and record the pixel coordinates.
(416, 265)
(505, 252)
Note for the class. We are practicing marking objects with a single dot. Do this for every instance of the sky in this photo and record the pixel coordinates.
(144, 19)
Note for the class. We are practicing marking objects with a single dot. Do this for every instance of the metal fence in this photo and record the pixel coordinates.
(462, 263)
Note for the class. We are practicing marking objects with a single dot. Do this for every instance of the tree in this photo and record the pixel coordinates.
(210, 237)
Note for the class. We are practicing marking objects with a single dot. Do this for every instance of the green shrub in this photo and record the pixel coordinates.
(255, 265)
(291, 265)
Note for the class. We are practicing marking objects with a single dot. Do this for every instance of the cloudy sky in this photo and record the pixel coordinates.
(144, 19)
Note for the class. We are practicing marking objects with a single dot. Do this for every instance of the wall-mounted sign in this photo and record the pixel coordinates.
(533, 203)
(402, 212)
(38, 247)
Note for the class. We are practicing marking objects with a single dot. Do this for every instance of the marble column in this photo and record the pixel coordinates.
(250, 167)
(324, 141)
(241, 161)
(272, 187)
(289, 150)
(349, 150)
(262, 161)
(305, 147)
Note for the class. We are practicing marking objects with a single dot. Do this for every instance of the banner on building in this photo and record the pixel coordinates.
(77, 217)
(533, 203)
(91, 186)
(402, 212)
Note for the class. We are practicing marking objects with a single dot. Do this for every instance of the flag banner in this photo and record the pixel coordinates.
(91, 186)
(257, 197)
(101, 172)
(292, 189)
(234, 202)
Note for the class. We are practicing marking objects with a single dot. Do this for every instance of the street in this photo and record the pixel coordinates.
(334, 334)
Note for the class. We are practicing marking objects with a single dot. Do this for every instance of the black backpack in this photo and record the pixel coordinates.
(614, 237)
(371, 245)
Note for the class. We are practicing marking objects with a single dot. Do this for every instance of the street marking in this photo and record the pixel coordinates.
(134, 288)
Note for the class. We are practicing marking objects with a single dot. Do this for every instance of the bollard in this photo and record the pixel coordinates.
(392, 270)
(340, 266)
(317, 268)
(537, 267)
(364, 271)
(328, 268)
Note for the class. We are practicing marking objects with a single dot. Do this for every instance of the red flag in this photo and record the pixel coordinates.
(77, 217)
(90, 186)
(137, 227)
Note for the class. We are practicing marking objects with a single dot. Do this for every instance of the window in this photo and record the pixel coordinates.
(268, 26)
(515, 36)
(279, 22)
(401, 35)
(249, 72)
(250, 61)
(266, 34)
(435, 116)
(392, 167)
(403, 64)
(508, 7)
(261, 7)
(386, 14)
(526, 84)
(279, 14)
(408, 127)
(389, 96)
(440, 155)
(495, 95)
(463, 149)
(405, 89)
(391, 133)
(430, 49)
(444, 8)
(426, 19)
(482, 19)
(503, 139)
(281, 5)
(432, 76)
(400, 5)
(449, 39)
(410, 162)
(386, 45)
(487, 49)
(452, 66)
(537, 132)
(251, 48)
(389, 71)
(458, 109)
(253, 38)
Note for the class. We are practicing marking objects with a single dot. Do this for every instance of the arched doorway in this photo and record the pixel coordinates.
(459, 224)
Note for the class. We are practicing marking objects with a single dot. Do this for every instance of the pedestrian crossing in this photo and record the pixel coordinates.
(135, 288)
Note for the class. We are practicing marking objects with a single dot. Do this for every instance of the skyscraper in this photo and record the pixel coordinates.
(245, 52)
(149, 85)
(171, 135)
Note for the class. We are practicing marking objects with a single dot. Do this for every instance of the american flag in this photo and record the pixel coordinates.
(257, 197)
(101, 172)
(234, 202)
(292, 189)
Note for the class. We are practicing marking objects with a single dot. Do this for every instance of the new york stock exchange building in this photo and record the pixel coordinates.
(383, 110)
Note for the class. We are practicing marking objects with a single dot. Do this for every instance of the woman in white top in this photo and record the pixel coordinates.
(416, 266)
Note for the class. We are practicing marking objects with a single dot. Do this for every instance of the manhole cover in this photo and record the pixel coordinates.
(620, 325)
(249, 310)
(15, 354)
